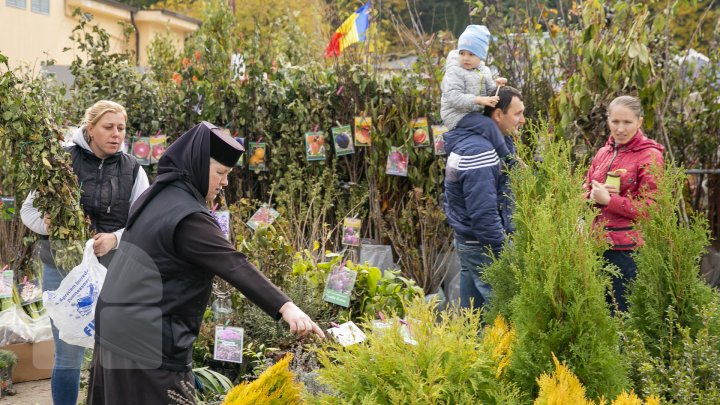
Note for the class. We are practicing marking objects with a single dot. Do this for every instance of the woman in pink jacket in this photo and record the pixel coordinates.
(620, 182)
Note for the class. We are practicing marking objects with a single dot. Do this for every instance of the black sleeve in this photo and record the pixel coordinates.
(199, 240)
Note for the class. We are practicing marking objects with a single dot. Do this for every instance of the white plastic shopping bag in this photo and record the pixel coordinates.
(72, 306)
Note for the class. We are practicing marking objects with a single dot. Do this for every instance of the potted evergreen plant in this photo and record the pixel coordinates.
(7, 361)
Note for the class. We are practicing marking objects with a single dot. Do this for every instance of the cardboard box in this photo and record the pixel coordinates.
(35, 360)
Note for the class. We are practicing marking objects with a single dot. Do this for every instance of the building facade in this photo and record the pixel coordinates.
(32, 31)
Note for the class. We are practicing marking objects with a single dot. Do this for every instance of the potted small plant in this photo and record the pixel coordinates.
(7, 361)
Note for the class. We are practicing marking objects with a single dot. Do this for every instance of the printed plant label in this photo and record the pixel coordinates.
(397, 162)
(347, 334)
(264, 216)
(223, 220)
(228, 344)
(363, 131)
(439, 139)
(351, 231)
(343, 139)
(314, 146)
(420, 132)
(339, 286)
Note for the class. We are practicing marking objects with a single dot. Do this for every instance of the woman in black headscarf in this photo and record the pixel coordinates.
(150, 309)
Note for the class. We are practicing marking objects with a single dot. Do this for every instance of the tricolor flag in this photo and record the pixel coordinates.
(351, 31)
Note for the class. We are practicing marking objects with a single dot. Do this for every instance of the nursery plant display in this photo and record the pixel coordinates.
(344, 153)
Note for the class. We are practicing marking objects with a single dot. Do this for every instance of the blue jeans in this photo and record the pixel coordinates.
(65, 380)
(472, 259)
(628, 269)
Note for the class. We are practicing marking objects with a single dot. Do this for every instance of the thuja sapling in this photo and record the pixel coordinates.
(556, 301)
(668, 283)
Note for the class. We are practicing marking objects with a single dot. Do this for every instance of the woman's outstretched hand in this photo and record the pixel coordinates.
(298, 321)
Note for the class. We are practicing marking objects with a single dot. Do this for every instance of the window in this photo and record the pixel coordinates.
(40, 6)
(16, 3)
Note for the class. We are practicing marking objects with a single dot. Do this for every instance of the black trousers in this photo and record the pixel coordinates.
(628, 269)
(117, 380)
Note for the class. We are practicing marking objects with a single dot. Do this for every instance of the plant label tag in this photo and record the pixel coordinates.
(439, 139)
(314, 146)
(29, 291)
(343, 140)
(223, 220)
(6, 284)
(141, 150)
(380, 327)
(397, 161)
(264, 216)
(347, 334)
(363, 131)
(339, 286)
(419, 132)
(158, 144)
(351, 231)
(228, 344)
(7, 208)
(257, 152)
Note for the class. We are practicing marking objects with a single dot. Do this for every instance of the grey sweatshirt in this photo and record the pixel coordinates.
(460, 87)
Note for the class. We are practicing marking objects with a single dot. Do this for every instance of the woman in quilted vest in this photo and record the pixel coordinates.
(620, 181)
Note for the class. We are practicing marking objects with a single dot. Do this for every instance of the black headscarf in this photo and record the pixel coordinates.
(187, 159)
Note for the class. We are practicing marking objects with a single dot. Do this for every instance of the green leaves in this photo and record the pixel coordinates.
(38, 162)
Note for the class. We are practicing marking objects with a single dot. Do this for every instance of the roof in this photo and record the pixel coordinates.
(126, 7)
(400, 64)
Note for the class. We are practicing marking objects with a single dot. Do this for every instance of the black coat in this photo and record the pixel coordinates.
(158, 284)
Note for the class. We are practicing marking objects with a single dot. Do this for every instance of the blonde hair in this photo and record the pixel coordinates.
(629, 102)
(94, 113)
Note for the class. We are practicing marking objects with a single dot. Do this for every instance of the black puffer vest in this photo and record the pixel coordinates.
(106, 187)
(159, 297)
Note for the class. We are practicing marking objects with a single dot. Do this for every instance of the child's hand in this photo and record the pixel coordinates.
(489, 101)
(501, 81)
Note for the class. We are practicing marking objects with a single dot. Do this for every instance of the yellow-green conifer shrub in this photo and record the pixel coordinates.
(626, 398)
(275, 386)
(497, 341)
(561, 387)
(446, 366)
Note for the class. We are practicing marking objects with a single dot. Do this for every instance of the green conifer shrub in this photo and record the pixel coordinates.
(669, 290)
(551, 282)
(673, 325)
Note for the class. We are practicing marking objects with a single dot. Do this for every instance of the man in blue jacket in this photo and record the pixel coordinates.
(477, 200)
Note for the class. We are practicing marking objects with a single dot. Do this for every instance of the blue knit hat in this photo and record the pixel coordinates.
(475, 39)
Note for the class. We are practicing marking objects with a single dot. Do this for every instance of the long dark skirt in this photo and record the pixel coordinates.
(117, 380)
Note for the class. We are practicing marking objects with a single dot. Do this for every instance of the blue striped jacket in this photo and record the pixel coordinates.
(473, 184)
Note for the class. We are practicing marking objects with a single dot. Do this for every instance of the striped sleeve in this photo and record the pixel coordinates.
(478, 175)
(484, 159)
